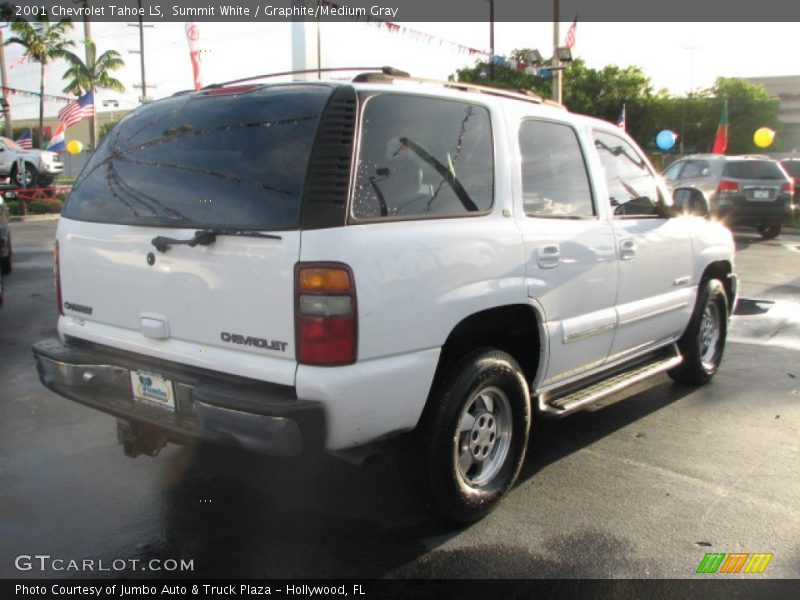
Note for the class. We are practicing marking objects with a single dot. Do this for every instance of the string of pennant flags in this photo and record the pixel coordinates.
(29, 94)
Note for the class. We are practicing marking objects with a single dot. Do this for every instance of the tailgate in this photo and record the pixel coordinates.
(228, 160)
(228, 306)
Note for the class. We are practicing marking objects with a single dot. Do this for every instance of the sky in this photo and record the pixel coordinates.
(676, 56)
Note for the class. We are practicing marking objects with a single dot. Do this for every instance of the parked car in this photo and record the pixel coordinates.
(792, 168)
(5, 244)
(299, 267)
(40, 167)
(740, 190)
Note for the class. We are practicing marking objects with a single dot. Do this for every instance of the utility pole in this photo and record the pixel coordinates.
(6, 104)
(556, 90)
(491, 40)
(140, 51)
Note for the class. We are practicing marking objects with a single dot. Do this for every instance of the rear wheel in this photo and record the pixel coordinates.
(770, 232)
(703, 342)
(472, 438)
(5, 262)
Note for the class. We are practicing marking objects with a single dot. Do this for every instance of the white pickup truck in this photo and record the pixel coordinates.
(28, 168)
(298, 267)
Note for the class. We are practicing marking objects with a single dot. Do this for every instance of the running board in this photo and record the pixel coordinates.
(564, 405)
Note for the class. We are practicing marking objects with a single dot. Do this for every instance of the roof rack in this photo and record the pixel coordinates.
(520, 94)
(386, 70)
(390, 74)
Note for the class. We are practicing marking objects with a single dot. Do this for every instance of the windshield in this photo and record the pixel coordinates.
(235, 160)
(11, 144)
(753, 169)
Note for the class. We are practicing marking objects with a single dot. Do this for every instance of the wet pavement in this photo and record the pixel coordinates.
(643, 486)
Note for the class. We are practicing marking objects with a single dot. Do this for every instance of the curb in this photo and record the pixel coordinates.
(34, 218)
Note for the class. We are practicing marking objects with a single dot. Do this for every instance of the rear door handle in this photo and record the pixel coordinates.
(627, 249)
(548, 256)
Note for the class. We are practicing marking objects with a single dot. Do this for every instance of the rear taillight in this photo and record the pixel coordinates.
(326, 317)
(727, 186)
(788, 187)
(57, 275)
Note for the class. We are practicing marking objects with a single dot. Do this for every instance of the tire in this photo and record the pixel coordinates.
(703, 343)
(5, 265)
(473, 435)
(27, 178)
(45, 180)
(770, 232)
(1, 288)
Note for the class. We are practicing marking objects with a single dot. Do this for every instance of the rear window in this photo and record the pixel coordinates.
(792, 167)
(226, 160)
(753, 169)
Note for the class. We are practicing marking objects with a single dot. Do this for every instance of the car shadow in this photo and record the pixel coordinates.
(240, 514)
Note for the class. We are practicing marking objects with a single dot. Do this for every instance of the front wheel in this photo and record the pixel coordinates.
(473, 435)
(25, 178)
(703, 342)
(770, 232)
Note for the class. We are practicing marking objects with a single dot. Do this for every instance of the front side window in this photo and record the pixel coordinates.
(554, 178)
(423, 157)
(632, 189)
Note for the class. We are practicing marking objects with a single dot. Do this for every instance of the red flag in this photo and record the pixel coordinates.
(721, 139)
(193, 37)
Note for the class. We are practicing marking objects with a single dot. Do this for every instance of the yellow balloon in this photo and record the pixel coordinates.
(74, 147)
(763, 137)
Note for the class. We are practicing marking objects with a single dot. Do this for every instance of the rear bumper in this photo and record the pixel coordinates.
(210, 406)
(753, 215)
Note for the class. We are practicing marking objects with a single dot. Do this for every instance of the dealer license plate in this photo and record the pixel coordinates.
(154, 390)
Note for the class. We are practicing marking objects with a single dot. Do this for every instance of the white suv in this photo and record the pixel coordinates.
(310, 266)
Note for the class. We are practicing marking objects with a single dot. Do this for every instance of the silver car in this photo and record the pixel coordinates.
(739, 190)
(39, 167)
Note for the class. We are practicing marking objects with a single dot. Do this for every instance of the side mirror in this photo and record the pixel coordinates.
(689, 200)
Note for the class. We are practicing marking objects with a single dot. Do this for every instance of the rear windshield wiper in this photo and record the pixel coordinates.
(206, 237)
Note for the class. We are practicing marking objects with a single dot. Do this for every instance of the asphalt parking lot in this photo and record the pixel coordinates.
(641, 487)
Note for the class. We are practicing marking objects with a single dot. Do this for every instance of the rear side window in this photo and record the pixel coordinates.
(554, 178)
(792, 167)
(234, 160)
(695, 169)
(423, 157)
(752, 169)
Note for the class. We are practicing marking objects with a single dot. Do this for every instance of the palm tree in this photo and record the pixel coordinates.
(43, 43)
(92, 74)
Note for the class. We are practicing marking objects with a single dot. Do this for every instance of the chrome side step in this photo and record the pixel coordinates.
(560, 406)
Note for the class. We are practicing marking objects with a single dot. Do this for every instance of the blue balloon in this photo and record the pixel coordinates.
(665, 139)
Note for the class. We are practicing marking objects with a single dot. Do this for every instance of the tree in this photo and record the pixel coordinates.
(602, 92)
(43, 43)
(749, 107)
(105, 129)
(92, 74)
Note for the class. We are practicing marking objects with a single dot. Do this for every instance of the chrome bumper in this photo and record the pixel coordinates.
(259, 417)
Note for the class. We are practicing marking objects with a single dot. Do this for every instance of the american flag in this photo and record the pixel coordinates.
(570, 40)
(25, 141)
(79, 109)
